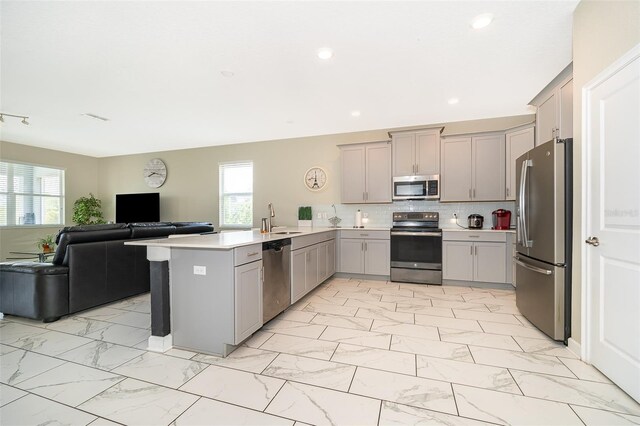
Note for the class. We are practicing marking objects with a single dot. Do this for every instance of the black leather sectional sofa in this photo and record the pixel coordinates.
(91, 266)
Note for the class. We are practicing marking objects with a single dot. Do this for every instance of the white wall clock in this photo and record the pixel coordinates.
(155, 173)
(315, 178)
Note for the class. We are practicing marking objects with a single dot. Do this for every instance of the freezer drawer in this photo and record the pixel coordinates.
(540, 295)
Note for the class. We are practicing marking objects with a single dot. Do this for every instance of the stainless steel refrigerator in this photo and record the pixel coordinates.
(543, 228)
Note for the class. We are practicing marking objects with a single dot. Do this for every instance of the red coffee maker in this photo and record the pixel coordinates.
(501, 219)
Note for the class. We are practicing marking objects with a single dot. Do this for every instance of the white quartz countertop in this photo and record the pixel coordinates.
(512, 231)
(228, 240)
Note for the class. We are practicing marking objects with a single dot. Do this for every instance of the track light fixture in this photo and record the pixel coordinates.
(24, 117)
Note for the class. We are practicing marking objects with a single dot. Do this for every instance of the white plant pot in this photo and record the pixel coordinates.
(305, 223)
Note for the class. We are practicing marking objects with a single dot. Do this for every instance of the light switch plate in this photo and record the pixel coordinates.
(199, 270)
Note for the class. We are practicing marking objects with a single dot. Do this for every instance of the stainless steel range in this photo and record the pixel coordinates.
(416, 248)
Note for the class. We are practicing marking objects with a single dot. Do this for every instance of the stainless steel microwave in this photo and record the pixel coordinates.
(416, 187)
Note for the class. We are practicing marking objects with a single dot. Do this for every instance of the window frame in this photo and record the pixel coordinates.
(222, 194)
(11, 195)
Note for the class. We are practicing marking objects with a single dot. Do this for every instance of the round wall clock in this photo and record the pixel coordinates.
(155, 173)
(315, 178)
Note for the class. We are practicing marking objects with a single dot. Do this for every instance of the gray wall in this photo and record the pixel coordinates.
(602, 32)
(191, 189)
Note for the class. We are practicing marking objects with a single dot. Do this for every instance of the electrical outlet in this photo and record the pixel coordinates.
(199, 270)
(319, 215)
(324, 215)
(365, 215)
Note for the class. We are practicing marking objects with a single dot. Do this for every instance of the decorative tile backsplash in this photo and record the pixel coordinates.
(379, 215)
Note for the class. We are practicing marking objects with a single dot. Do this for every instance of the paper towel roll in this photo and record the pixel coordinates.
(358, 222)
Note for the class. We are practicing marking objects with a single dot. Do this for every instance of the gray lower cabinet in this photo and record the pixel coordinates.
(304, 272)
(474, 256)
(216, 297)
(310, 266)
(365, 256)
(247, 300)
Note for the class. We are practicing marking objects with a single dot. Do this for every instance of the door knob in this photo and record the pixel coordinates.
(593, 241)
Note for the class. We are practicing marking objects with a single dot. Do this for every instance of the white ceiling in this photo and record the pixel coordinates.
(154, 68)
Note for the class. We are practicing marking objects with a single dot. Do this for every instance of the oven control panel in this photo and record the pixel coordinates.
(416, 216)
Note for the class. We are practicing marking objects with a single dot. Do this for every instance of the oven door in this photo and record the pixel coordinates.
(416, 250)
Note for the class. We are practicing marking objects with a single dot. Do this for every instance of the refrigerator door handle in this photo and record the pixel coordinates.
(523, 204)
(517, 260)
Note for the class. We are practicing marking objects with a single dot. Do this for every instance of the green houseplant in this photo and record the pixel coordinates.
(87, 211)
(46, 244)
(305, 216)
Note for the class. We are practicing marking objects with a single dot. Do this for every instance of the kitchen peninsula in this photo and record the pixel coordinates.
(207, 290)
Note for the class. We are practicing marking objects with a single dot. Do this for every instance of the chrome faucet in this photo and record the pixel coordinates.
(272, 214)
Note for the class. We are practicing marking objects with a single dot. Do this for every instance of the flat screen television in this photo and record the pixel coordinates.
(132, 208)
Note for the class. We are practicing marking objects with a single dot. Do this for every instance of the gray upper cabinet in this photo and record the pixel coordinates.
(416, 152)
(473, 168)
(517, 142)
(554, 114)
(366, 172)
(455, 181)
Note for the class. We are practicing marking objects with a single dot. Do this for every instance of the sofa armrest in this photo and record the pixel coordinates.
(34, 290)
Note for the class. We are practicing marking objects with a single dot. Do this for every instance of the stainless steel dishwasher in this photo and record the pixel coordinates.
(276, 293)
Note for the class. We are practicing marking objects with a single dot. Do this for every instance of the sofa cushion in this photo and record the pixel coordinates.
(86, 236)
(33, 268)
(84, 228)
(192, 227)
(151, 230)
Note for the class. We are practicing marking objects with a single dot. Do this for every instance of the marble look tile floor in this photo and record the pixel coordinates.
(353, 352)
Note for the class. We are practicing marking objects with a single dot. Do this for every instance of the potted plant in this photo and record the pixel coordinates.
(46, 244)
(88, 211)
(305, 216)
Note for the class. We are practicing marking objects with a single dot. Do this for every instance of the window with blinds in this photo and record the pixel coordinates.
(31, 195)
(236, 195)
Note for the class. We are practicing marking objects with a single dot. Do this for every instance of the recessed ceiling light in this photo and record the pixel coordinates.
(97, 117)
(481, 21)
(453, 101)
(325, 53)
(355, 113)
(227, 73)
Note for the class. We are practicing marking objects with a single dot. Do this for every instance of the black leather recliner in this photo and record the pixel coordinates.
(91, 267)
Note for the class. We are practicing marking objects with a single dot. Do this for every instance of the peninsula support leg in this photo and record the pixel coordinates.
(160, 339)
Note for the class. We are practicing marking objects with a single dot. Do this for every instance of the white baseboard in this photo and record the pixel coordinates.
(160, 344)
(574, 347)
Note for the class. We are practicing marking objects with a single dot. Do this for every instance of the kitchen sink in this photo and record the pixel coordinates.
(287, 232)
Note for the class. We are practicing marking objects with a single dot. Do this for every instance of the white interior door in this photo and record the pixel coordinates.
(612, 203)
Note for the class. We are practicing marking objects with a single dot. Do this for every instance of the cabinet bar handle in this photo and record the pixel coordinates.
(252, 254)
(471, 250)
(365, 246)
(507, 192)
(469, 193)
(476, 249)
(474, 193)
